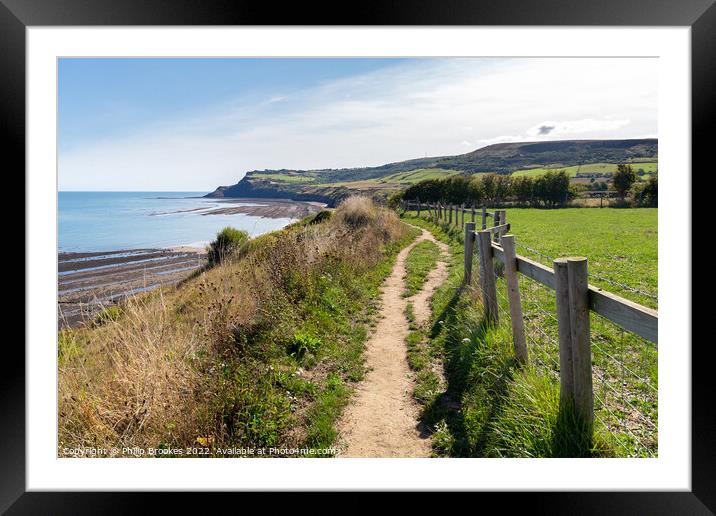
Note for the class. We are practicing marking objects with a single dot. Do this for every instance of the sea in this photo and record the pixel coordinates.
(108, 221)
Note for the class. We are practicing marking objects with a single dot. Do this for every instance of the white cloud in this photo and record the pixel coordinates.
(568, 128)
(432, 107)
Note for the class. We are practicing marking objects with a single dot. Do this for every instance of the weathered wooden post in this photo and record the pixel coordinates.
(484, 218)
(487, 275)
(450, 214)
(495, 223)
(513, 296)
(581, 344)
(473, 213)
(469, 250)
(566, 370)
(462, 217)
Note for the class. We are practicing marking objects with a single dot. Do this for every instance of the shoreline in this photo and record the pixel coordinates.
(257, 207)
(89, 282)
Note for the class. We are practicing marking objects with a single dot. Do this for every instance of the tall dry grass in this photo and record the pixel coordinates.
(190, 362)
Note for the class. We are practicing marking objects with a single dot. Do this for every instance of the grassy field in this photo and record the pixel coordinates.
(604, 168)
(491, 406)
(415, 176)
(288, 178)
(621, 244)
(397, 180)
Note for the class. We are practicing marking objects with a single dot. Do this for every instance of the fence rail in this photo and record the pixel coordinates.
(573, 299)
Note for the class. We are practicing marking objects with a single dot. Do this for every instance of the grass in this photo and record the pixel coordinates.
(492, 406)
(415, 176)
(286, 178)
(262, 350)
(420, 261)
(603, 168)
(396, 180)
(621, 244)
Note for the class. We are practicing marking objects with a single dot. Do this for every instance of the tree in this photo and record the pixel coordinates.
(623, 179)
(488, 187)
(522, 187)
(646, 194)
(555, 188)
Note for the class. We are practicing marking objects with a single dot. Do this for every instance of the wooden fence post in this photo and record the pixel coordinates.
(484, 218)
(566, 369)
(462, 217)
(581, 344)
(469, 250)
(513, 296)
(473, 213)
(487, 275)
(495, 223)
(450, 214)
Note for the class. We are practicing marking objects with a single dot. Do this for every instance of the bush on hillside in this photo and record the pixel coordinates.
(227, 242)
(646, 194)
(357, 211)
(321, 216)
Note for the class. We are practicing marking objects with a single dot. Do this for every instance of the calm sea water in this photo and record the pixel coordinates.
(104, 221)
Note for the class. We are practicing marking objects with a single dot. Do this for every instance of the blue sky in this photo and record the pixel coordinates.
(106, 98)
(193, 124)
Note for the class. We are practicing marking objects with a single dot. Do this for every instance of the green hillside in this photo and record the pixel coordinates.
(524, 158)
(599, 168)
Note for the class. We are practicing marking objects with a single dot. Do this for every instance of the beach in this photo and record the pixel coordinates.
(270, 208)
(87, 283)
(117, 245)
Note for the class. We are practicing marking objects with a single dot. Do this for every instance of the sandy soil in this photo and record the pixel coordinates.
(382, 419)
(271, 208)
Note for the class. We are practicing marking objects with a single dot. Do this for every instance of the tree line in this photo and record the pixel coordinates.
(549, 190)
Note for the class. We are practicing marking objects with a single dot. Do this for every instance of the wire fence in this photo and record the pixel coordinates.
(624, 365)
(599, 277)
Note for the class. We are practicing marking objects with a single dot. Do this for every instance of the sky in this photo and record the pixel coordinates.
(150, 124)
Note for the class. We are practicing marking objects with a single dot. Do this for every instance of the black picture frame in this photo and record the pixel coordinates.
(17, 15)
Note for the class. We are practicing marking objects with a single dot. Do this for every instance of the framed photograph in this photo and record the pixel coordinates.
(420, 248)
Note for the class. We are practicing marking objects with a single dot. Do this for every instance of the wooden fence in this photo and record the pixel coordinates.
(574, 296)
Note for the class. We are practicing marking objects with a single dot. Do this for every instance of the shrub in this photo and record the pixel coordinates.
(357, 211)
(394, 200)
(321, 216)
(228, 240)
(646, 194)
(303, 343)
(111, 313)
(623, 178)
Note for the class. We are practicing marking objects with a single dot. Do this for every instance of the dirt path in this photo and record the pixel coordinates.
(382, 420)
